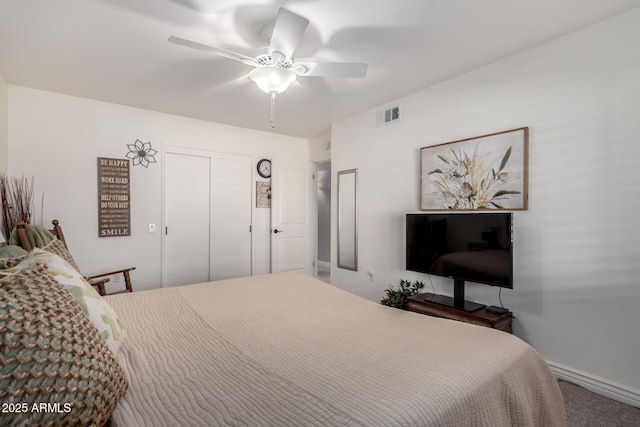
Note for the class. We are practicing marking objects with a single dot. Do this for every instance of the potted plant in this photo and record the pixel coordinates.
(398, 297)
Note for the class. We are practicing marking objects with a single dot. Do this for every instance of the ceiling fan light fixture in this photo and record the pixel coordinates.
(272, 78)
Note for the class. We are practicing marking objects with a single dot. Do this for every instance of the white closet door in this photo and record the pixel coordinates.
(187, 219)
(230, 218)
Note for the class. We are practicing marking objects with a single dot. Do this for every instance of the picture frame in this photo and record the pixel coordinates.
(483, 172)
(263, 194)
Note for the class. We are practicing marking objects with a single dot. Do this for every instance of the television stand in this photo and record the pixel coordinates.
(422, 303)
(467, 306)
(458, 300)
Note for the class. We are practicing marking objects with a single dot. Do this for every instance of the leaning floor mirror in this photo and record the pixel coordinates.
(348, 219)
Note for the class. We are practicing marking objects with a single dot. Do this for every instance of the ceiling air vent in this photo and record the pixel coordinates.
(388, 116)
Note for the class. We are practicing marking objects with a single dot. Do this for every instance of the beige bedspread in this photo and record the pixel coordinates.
(289, 350)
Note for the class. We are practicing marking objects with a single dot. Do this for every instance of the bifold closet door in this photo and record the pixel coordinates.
(230, 218)
(187, 219)
(207, 217)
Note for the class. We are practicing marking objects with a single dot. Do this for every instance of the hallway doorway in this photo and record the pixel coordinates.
(323, 197)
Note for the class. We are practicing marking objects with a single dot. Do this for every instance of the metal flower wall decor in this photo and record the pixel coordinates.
(141, 153)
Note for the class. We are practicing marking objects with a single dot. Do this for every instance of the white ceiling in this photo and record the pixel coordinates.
(117, 50)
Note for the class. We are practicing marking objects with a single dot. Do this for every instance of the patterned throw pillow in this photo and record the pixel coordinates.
(9, 262)
(12, 266)
(53, 363)
(11, 255)
(57, 247)
(94, 306)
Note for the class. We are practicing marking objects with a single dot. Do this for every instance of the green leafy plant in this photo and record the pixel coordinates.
(398, 297)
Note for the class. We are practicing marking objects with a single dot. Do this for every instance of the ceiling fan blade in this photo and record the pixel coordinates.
(287, 32)
(331, 69)
(216, 50)
(233, 83)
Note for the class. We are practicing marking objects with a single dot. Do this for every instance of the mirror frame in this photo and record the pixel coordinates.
(341, 184)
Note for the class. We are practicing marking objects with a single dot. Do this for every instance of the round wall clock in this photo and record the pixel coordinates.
(264, 168)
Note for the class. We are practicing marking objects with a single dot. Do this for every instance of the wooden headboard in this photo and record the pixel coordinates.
(24, 238)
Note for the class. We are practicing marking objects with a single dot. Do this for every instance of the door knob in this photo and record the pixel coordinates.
(277, 231)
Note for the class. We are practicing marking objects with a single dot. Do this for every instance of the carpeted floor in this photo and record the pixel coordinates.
(587, 409)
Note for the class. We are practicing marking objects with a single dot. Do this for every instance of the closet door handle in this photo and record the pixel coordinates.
(277, 231)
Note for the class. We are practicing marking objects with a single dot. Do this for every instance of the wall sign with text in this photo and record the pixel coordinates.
(114, 207)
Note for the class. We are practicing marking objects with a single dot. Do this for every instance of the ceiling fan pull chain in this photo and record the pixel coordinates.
(273, 108)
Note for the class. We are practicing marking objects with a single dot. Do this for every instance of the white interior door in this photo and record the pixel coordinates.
(187, 204)
(290, 219)
(230, 218)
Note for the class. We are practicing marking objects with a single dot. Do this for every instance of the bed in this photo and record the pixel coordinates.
(270, 350)
(289, 350)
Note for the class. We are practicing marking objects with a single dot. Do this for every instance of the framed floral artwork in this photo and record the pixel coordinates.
(485, 172)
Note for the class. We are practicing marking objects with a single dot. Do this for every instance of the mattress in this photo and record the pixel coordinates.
(289, 350)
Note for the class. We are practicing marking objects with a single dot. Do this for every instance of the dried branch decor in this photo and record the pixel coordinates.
(17, 202)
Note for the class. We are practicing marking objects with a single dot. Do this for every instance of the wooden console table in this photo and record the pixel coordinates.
(421, 304)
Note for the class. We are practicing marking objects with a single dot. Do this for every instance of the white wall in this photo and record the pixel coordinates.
(320, 148)
(4, 120)
(57, 138)
(577, 248)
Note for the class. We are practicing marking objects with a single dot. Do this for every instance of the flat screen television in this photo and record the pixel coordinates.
(475, 247)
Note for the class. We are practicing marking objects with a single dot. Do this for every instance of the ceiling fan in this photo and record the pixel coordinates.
(275, 69)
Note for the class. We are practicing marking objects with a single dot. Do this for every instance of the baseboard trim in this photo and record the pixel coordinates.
(597, 385)
(324, 265)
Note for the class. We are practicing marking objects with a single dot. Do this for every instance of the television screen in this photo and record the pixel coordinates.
(475, 247)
